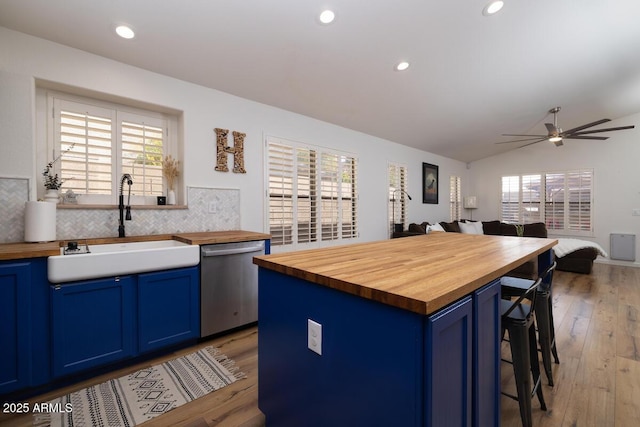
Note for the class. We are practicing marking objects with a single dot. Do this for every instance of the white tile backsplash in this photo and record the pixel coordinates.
(209, 209)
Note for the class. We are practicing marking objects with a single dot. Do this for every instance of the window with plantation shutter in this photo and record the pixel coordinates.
(510, 211)
(562, 200)
(311, 194)
(86, 137)
(455, 198)
(531, 197)
(397, 195)
(142, 154)
(100, 141)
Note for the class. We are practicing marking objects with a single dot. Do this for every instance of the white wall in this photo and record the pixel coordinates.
(616, 166)
(25, 59)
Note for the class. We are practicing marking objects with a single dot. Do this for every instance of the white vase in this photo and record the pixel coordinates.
(171, 197)
(52, 196)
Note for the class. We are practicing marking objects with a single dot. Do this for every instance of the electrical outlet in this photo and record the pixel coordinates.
(212, 207)
(314, 336)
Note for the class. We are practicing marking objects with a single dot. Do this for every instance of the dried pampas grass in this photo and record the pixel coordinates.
(170, 170)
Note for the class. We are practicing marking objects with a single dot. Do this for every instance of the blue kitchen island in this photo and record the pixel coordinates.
(402, 332)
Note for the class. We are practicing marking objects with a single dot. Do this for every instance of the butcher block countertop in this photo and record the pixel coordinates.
(34, 250)
(421, 274)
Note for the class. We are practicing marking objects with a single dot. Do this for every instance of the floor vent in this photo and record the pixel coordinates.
(623, 247)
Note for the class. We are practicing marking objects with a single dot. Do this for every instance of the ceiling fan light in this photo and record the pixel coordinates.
(555, 139)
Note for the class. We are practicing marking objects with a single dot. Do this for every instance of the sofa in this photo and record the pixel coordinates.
(578, 261)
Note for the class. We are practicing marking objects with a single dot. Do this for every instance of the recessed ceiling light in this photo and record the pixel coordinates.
(402, 66)
(327, 17)
(492, 7)
(125, 32)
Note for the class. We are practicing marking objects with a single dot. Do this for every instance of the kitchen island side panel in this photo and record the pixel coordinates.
(371, 368)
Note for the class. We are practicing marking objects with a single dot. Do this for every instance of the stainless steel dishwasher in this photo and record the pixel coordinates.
(228, 286)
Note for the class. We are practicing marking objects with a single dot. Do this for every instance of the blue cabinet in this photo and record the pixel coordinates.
(448, 357)
(486, 355)
(24, 324)
(168, 308)
(421, 366)
(436, 370)
(96, 322)
(15, 326)
(92, 323)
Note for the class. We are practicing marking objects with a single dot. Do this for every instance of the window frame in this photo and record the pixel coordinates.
(121, 112)
(541, 208)
(322, 194)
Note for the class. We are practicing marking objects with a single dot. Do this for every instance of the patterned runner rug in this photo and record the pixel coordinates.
(135, 398)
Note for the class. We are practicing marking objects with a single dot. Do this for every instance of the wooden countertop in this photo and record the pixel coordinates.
(21, 250)
(422, 274)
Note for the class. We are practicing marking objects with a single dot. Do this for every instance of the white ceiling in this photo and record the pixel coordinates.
(471, 78)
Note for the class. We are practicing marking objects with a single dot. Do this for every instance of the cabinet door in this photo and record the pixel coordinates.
(448, 350)
(486, 355)
(15, 317)
(168, 308)
(92, 323)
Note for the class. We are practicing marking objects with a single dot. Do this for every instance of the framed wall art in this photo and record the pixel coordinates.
(429, 183)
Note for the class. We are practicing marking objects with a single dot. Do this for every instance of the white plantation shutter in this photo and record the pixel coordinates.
(307, 200)
(87, 168)
(311, 194)
(455, 198)
(530, 208)
(330, 194)
(510, 211)
(566, 197)
(348, 195)
(142, 152)
(579, 184)
(554, 201)
(107, 142)
(281, 202)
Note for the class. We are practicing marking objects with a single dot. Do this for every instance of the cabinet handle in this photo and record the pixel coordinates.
(117, 278)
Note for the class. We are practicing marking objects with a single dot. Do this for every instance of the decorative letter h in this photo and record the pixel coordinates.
(237, 150)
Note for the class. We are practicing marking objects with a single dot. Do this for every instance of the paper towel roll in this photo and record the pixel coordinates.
(39, 222)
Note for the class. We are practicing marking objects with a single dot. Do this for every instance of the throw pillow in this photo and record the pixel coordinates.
(451, 226)
(436, 227)
(471, 227)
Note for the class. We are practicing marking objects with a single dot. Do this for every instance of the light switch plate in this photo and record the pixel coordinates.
(314, 336)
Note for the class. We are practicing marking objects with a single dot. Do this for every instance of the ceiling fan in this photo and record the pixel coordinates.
(556, 134)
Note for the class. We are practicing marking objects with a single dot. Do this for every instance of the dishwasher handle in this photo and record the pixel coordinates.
(207, 252)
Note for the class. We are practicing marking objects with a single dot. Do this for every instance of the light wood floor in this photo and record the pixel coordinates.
(597, 381)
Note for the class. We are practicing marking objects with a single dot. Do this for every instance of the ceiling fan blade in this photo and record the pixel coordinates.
(596, 138)
(588, 125)
(534, 142)
(551, 128)
(600, 130)
(536, 137)
(519, 134)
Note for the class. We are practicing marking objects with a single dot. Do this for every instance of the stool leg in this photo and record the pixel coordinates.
(521, 369)
(535, 366)
(552, 329)
(544, 334)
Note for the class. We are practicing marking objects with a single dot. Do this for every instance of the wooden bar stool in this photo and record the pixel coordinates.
(518, 318)
(515, 287)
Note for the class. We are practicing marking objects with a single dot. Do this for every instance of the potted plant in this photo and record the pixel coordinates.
(52, 182)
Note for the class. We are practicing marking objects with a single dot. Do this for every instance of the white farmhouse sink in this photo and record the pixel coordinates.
(116, 259)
